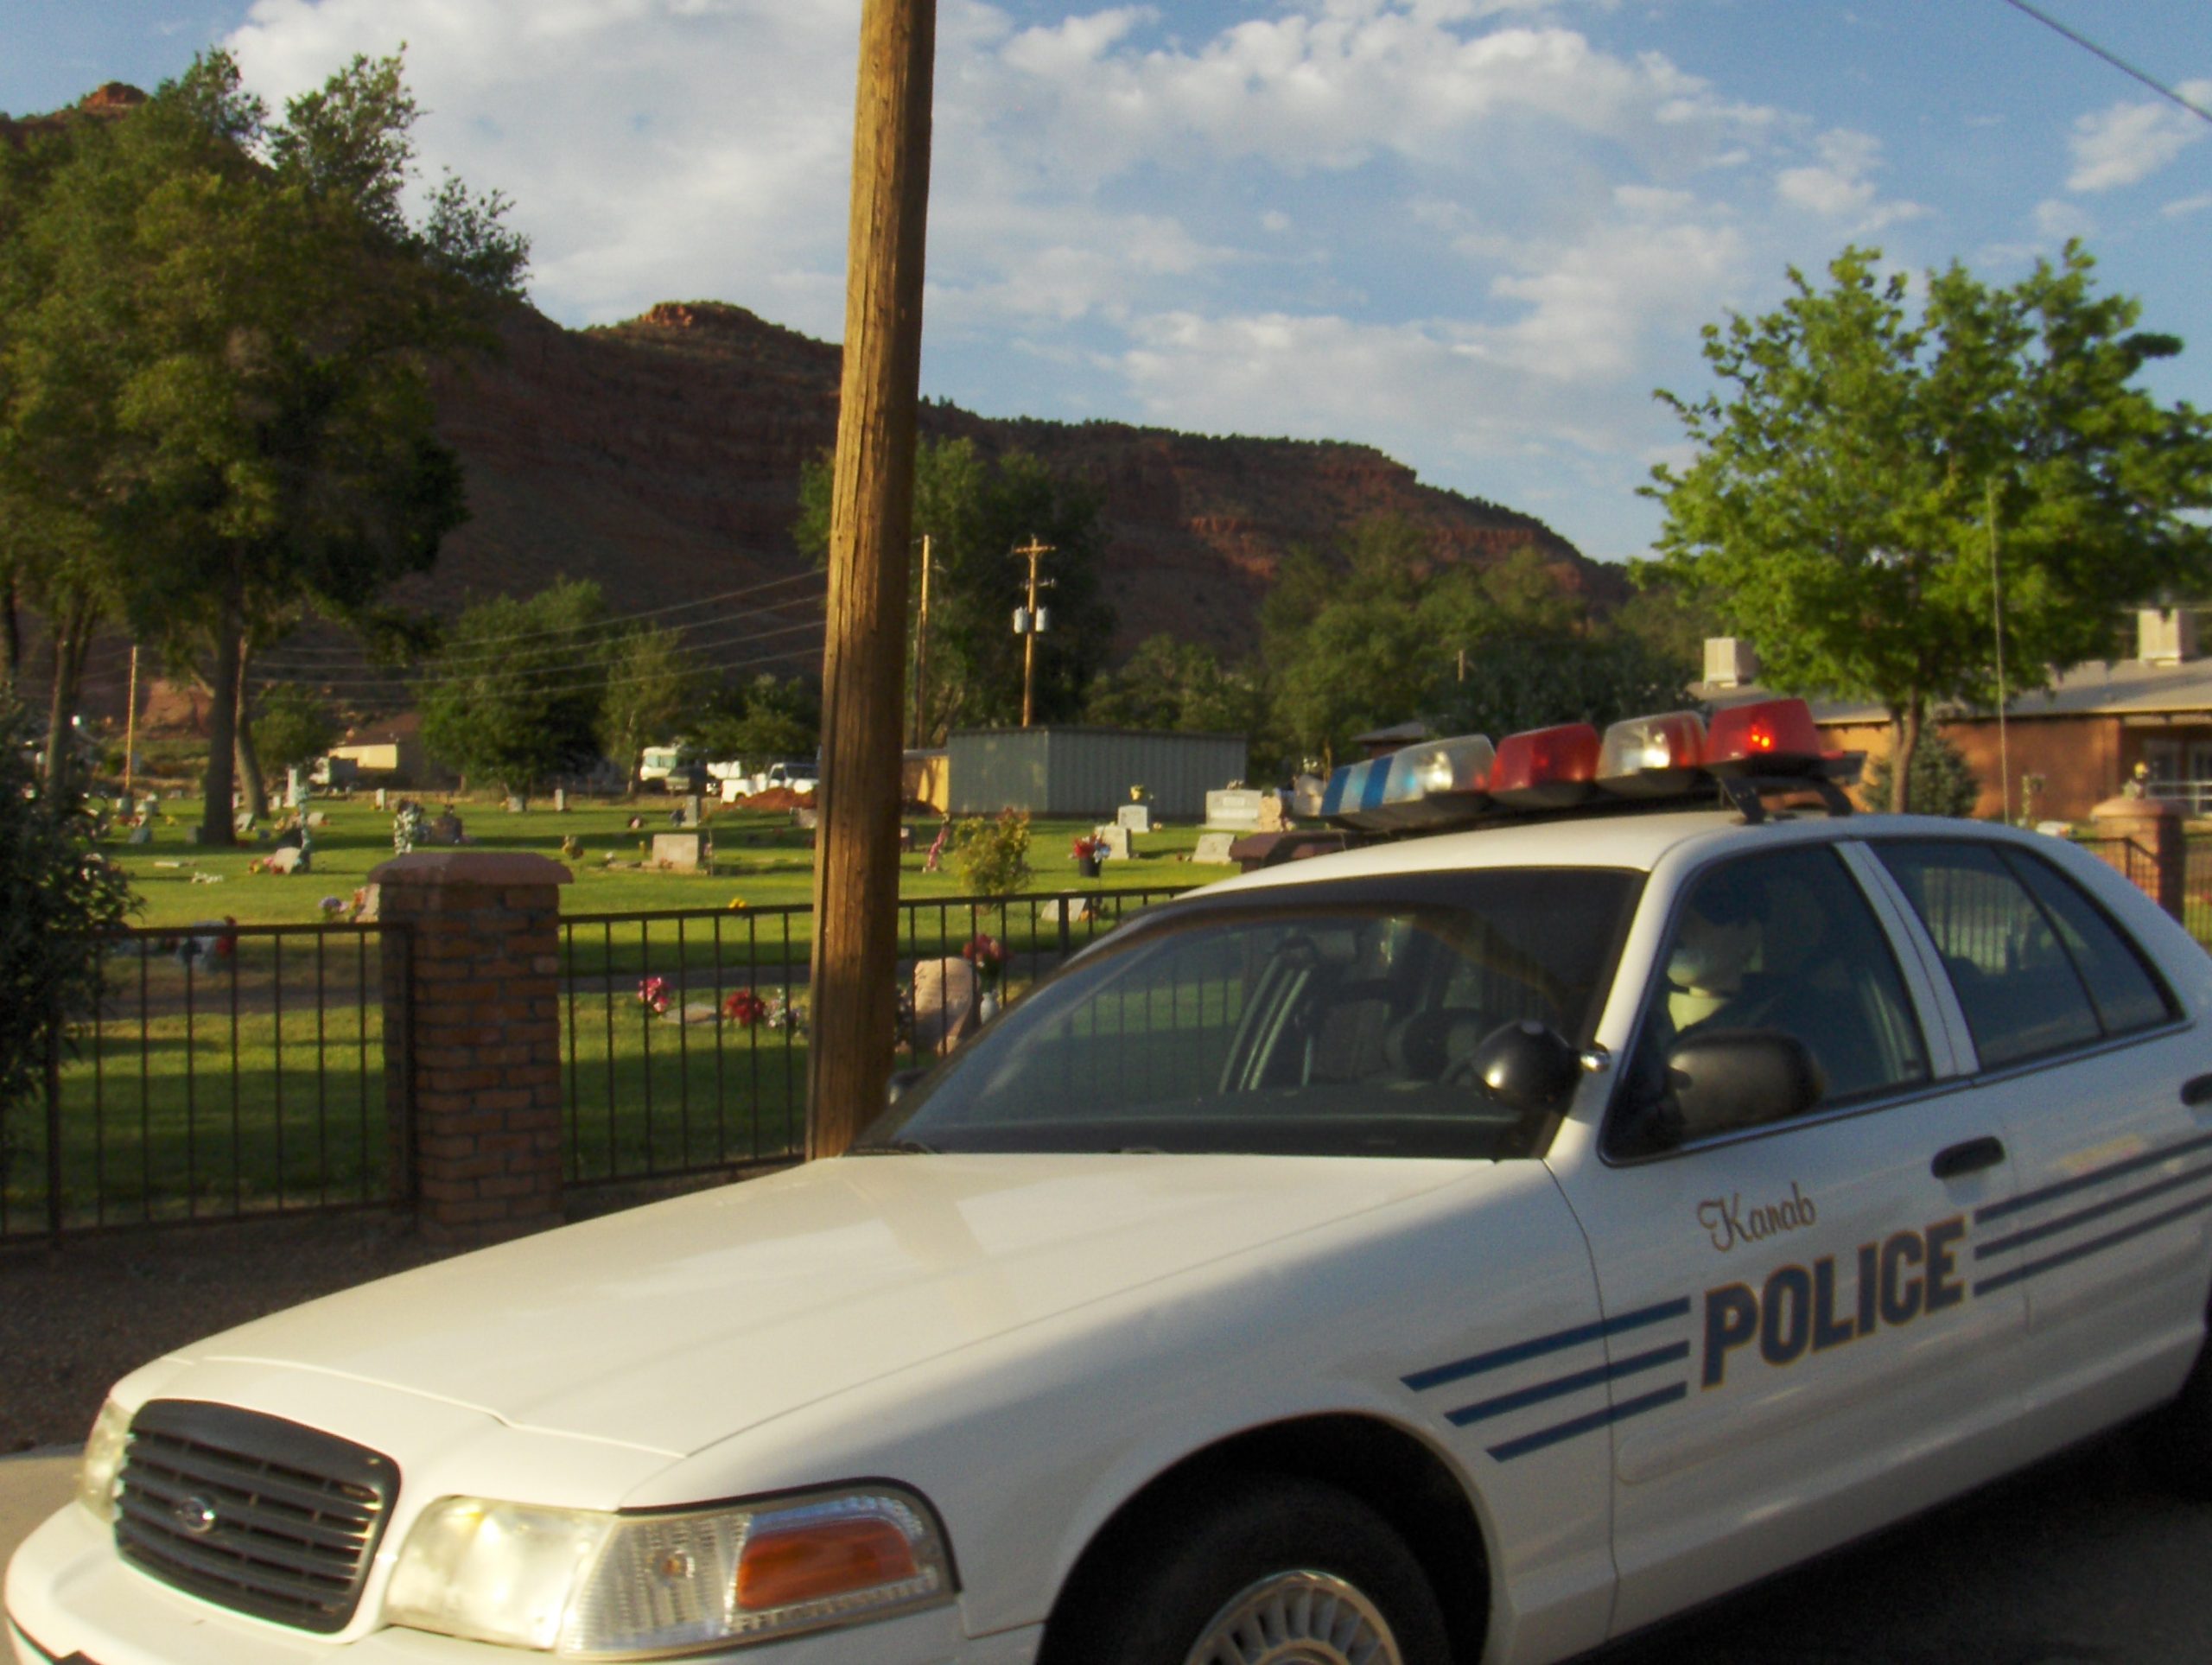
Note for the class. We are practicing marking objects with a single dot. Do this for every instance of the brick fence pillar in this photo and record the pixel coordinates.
(480, 1153)
(2154, 826)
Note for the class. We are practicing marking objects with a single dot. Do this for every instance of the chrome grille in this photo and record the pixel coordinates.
(252, 1512)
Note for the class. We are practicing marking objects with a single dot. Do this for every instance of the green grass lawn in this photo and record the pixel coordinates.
(758, 858)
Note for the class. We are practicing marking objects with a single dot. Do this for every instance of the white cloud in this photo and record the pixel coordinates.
(1839, 186)
(2130, 142)
(2056, 220)
(2186, 205)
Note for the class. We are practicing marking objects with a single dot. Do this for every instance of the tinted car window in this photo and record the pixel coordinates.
(1334, 1020)
(1782, 942)
(2124, 994)
(2020, 988)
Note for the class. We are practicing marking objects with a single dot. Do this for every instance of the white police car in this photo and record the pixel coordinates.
(1467, 1247)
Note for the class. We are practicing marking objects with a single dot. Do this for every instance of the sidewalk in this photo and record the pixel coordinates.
(32, 1486)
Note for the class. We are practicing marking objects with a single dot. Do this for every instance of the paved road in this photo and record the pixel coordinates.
(2082, 1562)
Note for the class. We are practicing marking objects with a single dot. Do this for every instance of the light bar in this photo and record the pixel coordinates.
(1545, 768)
(1652, 757)
(1433, 783)
(1766, 737)
(1353, 787)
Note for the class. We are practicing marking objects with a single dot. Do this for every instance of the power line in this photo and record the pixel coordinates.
(534, 676)
(611, 621)
(2116, 61)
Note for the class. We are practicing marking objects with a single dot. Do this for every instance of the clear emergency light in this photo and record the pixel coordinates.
(1652, 757)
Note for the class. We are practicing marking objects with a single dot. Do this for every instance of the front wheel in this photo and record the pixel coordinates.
(1277, 1572)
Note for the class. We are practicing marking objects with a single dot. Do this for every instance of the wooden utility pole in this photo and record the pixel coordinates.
(131, 722)
(1032, 552)
(854, 991)
(921, 647)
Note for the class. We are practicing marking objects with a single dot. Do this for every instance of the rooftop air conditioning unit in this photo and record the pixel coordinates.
(1730, 662)
(2163, 635)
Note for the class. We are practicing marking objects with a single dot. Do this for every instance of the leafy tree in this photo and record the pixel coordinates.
(766, 718)
(1516, 680)
(991, 858)
(1870, 463)
(294, 728)
(975, 512)
(225, 335)
(651, 680)
(516, 694)
(1176, 686)
(56, 894)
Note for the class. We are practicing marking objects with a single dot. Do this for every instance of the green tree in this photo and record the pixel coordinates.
(652, 681)
(975, 512)
(294, 728)
(56, 895)
(1176, 686)
(1869, 464)
(1516, 680)
(764, 719)
(1942, 781)
(516, 694)
(228, 331)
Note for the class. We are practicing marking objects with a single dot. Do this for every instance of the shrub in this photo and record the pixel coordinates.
(992, 857)
(56, 896)
(1942, 784)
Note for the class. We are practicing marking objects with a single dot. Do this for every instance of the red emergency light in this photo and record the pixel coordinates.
(1546, 768)
(1766, 737)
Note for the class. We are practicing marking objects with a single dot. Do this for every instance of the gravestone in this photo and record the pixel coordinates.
(560, 800)
(1137, 817)
(1236, 810)
(294, 788)
(946, 994)
(691, 810)
(677, 852)
(1272, 817)
(515, 805)
(1213, 848)
(1067, 910)
(380, 798)
(1116, 840)
(141, 834)
(244, 821)
(317, 819)
(1306, 793)
(287, 858)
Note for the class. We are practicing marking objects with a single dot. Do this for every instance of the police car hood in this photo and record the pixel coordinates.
(674, 1326)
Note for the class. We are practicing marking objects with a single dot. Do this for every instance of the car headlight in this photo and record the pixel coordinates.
(97, 1481)
(584, 1584)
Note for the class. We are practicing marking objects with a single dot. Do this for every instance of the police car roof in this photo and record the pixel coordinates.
(1637, 841)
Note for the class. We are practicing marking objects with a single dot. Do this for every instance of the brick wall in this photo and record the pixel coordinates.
(478, 990)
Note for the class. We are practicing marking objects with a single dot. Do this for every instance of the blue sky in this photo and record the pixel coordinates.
(1476, 233)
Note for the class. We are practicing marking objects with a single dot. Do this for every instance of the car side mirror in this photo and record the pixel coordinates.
(1526, 1066)
(1734, 1079)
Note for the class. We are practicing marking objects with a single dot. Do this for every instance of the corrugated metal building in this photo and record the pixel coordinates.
(1080, 771)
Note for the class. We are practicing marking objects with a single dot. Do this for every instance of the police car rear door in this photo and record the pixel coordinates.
(1795, 1352)
(2085, 1059)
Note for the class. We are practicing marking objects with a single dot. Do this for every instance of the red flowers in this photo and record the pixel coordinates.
(745, 1008)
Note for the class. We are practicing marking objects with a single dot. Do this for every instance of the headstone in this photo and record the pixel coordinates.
(1236, 810)
(317, 819)
(196, 834)
(679, 852)
(1306, 793)
(294, 788)
(1068, 911)
(244, 821)
(141, 834)
(1272, 818)
(515, 803)
(1117, 842)
(809, 819)
(560, 800)
(380, 796)
(1137, 817)
(446, 829)
(692, 810)
(1213, 848)
(945, 998)
(288, 858)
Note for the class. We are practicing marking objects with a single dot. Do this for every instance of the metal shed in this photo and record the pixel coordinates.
(1076, 771)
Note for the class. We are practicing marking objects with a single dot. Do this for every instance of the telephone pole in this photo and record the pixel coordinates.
(921, 646)
(1028, 624)
(854, 970)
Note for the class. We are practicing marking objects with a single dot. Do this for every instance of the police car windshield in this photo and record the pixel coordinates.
(1321, 1019)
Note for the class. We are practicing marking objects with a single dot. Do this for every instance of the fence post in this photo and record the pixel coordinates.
(2155, 826)
(476, 1141)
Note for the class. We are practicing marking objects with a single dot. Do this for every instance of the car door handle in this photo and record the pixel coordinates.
(1969, 1158)
(2197, 1090)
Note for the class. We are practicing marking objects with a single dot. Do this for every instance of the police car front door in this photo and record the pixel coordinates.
(1797, 1356)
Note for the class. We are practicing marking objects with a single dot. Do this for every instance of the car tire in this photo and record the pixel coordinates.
(1282, 1571)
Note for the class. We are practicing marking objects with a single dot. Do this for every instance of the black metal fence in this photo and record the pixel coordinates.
(227, 1070)
(2197, 888)
(685, 1035)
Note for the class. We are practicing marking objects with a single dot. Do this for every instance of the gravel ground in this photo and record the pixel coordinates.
(73, 1319)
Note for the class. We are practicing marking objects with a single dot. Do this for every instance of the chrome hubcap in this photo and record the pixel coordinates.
(1297, 1618)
